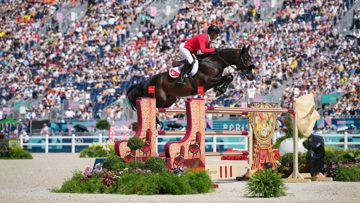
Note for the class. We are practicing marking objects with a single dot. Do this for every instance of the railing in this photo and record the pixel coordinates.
(342, 116)
(214, 142)
(211, 141)
(344, 136)
(347, 20)
(46, 142)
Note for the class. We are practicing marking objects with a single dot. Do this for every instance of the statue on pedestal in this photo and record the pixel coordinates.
(306, 119)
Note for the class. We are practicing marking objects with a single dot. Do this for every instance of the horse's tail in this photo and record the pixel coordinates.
(133, 93)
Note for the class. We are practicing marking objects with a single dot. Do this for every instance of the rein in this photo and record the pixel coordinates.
(241, 58)
(227, 63)
(218, 53)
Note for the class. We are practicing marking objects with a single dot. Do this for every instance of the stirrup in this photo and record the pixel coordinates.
(180, 81)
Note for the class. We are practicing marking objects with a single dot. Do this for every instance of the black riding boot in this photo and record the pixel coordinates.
(180, 79)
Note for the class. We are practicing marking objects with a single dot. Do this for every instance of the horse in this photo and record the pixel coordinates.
(209, 75)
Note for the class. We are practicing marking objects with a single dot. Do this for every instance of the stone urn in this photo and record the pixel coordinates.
(287, 146)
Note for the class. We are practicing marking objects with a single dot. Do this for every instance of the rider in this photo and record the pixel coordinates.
(191, 46)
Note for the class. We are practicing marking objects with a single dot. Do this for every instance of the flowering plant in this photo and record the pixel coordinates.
(242, 157)
(331, 169)
(107, 177)
(139, 170)
(88, 172)
(134, 178)
(234, 157)
(97, 149)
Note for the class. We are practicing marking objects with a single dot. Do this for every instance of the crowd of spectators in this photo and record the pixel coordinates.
(96, 59)
(335, 67)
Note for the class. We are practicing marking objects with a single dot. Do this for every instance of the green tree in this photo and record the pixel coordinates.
(135, 143)
(134, 126)
(103, 125)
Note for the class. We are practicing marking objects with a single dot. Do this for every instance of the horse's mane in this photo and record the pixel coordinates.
(203, 56)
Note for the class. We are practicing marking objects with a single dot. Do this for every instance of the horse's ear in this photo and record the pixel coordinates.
(247, 48)
(243, 50)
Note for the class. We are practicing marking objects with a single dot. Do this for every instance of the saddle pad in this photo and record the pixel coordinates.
(174, 72)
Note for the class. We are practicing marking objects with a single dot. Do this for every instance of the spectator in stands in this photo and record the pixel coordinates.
(44, 130)
(327, 112)
(326, 129)
(69, 114)
(81, 107)
(25, 138)
(84, 55)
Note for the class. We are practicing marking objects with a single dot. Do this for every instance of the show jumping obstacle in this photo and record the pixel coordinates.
(190, 150)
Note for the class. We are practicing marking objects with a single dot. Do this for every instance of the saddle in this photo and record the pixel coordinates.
(178, 63)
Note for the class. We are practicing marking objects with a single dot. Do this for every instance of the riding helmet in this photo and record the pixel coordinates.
(213, 28)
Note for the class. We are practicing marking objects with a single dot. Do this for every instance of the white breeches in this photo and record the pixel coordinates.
(186, 53)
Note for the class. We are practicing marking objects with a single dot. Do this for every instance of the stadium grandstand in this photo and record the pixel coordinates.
(70, 60)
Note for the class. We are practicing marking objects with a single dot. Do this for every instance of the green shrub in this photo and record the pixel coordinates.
(85, 152)
(151, 183)
(80, 184)
(120, 166)
(96, 151)
(155, 164)
(336, 157)
(111, 160)
(333, 160)
(4, 151)
(140, 182)
(348, 173)
(135, 143)
(72, 185)
(134, 126)
(352, 154)
(330, 156)
(103, 125)
(266, 184)
(17, 152)
(200, 181)
(286, 161)
(134, 165)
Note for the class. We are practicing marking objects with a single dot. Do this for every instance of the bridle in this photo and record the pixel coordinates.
(247, 69)
(243, 63)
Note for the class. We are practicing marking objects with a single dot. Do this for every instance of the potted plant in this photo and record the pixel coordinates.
(285, 144)
(135, 143)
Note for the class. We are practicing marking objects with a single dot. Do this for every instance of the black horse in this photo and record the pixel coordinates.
(209, 75)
